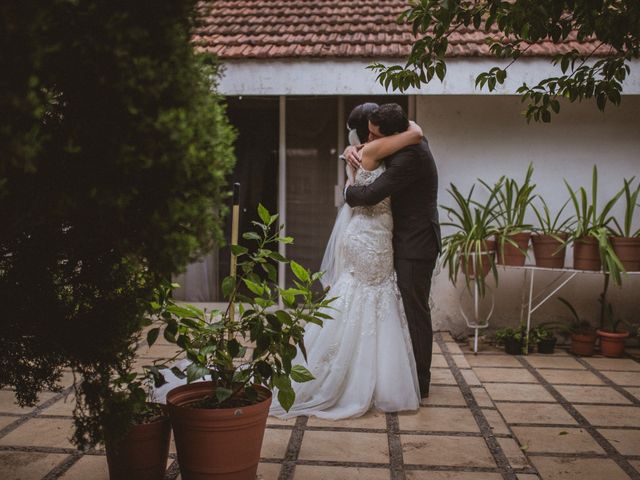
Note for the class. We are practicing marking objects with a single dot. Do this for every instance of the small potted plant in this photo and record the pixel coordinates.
(550, 235)
(583, 335)
(470, 248)
(590, 236)
(219, 424)
(626, 241)
(544, 339)
(515, 341)
(140, 451)
(611, 337)
(512, 233)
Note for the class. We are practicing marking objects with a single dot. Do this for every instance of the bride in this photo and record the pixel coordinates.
(363, 357)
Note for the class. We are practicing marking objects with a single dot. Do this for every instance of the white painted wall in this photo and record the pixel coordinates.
(485, 136)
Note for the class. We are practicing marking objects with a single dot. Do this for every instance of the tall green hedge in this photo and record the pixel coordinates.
(113, 153)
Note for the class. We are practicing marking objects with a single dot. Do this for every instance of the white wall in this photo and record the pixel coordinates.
(486, 136)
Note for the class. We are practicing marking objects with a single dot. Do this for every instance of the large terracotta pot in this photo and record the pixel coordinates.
(549, 251)
(509, 254)
(612, 343)
(628, 251)
(216, 444)
(583, 344)
(142, 454)
(469, 269)
(586, 254)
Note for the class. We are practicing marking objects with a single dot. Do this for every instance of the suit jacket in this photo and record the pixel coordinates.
(411, 180)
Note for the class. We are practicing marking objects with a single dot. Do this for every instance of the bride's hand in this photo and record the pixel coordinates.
(414, 127)
(352, 154)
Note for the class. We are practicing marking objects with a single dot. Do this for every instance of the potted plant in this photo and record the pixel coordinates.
(611, 338)
(140, 451)
(544, 339)
(219, 424)
(583, 335)
(626, 241)
(592, 249)
(550, 236)
(515, 341)
(470, 248)
(512, 234)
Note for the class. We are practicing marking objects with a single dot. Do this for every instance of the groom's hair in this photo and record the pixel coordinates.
(359, 119)
(390, 118)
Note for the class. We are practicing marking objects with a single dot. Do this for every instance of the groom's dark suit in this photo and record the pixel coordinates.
(411, 179)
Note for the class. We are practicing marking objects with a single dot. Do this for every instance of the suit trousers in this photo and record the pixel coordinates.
(414, 283)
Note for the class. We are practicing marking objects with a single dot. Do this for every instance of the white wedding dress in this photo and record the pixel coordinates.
(362, 358)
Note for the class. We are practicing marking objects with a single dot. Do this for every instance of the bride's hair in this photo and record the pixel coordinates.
(359, 119)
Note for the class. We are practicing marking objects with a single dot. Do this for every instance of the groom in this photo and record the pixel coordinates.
(411, 179)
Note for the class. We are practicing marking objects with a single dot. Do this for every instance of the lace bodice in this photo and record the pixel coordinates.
(367, 242)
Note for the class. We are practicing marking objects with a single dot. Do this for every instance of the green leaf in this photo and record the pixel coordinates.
(196, 372)
(228, 284)
(299, 271)
(286, 397)
(264, 214)
(152, 336)
(300, 374)
(223, 394)
(251, 236)
(238, 250)
(254, 287)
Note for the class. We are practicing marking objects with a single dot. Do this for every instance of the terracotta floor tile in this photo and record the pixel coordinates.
(496, 422)
(438, 361)
(275, 443)
(158, 351)
(445, 395)
(552, 361)
(423, 475)
(591, 394)
(519, 392)
(27, 465)
(614, 364)
(89, 466)
(442, 375)
(436, 348)
(604, 416)
(629, 379)
(535, 413)
(454, 348)
(41, 432)
(571, 377)
(627, 442)
(8, 402)
(446, 451)
(635, 464)
(308, 472)
(446, 336)
(493, 361)
(527, 476)
(4, 421)
(514, 454)
(268, 471)
(553, 468)
(64, 406)
(556, 440)
(371, 419)
(470, 377)
(437, 419)
(461, 361)
(635, 391)
(492, 374)
(345, 447)
(277, 421)
(482, 397)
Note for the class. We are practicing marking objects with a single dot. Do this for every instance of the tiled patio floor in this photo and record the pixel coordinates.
(490, 416)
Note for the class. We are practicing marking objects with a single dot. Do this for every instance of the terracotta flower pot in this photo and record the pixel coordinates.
(469, 268)
(548, 251)
(220, 444)
(143, 452)
(508, 254)
(612, 343)
(583, 344)
(628, 251)
(586, 254)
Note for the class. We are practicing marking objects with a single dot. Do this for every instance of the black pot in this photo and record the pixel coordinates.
(512, 346)
(547, 345)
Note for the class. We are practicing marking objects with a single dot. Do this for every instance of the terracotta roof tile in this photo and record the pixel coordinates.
(235, 29)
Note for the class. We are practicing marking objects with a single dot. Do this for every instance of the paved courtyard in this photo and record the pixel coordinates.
(490, 416)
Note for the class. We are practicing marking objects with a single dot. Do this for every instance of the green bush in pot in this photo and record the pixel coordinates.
(626, 240)
(246, 354)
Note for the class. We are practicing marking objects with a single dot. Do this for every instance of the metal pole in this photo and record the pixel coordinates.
(235, 218)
